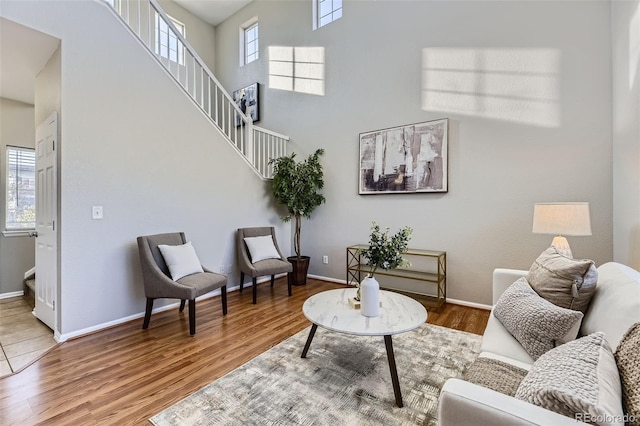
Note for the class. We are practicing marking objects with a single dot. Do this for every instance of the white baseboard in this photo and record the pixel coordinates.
(453, 301)
(82, 332)
(93, 329)
(332, 280)
(469, 304)
(78, 333)
(12, 294)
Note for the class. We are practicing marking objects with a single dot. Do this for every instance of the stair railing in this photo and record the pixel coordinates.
(146, 20)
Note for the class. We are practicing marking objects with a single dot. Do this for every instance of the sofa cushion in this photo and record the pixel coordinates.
(532, 320)
(578, 379)
(616, 305)
(569, 283)
(498, 375)
(628, 361)
(499, 341)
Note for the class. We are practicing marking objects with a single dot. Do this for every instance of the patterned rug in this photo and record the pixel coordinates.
(344, 380)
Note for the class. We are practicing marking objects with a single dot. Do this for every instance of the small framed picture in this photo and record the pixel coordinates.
(247, 100)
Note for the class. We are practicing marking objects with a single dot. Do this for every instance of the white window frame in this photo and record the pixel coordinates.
(172, 38)
(9, 189)
(334, 14)
(248, 55)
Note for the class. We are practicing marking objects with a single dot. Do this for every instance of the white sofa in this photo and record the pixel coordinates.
(615, 307)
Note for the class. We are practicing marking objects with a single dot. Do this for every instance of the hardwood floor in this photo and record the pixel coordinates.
(124, 375)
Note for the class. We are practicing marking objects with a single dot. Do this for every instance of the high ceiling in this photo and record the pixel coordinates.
(213, 11)
(24, 51)
(23, 54)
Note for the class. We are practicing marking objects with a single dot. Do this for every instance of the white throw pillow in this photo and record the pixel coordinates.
(261, 248)
(181, 260)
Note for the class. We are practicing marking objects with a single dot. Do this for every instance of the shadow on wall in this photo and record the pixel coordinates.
(634, 48)
(634, 248)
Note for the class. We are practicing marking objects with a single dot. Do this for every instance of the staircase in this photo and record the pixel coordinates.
(29, 289)
(146, 20)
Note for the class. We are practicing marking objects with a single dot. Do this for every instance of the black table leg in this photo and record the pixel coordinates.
(394, 373)
(314, 327)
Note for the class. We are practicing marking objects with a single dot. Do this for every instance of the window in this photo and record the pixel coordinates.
(325, 12)
(249, 48)
(167, 43)
(21, 189)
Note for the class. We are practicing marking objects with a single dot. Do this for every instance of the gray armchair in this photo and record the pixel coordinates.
(158, 283)
(263, 267)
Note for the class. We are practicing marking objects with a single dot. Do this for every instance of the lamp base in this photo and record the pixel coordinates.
(562, 245)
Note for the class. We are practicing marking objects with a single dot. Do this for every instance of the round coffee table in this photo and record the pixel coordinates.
(398, 314)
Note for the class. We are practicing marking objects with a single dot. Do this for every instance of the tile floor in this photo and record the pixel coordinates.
(23, 338)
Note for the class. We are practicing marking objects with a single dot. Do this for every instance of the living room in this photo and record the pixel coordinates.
(544, 113)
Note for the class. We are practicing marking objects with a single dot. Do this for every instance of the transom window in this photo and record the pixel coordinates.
(167, 43)
(21, 189)
(325, 12)
(249, 46)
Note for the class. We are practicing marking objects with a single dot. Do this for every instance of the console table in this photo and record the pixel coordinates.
(433, 273)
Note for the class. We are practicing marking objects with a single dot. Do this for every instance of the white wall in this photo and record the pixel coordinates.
(17, 254)
(626, 132)
(526, 86)
(133, 143)
(199, 33)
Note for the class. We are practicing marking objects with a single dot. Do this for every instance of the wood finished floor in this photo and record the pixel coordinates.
(124, 375)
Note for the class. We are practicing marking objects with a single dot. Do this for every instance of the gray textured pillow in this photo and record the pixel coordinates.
(533, 321)
(578, 379)
(628, 360)
(569, 283)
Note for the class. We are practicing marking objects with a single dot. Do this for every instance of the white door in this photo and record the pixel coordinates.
(46, 208)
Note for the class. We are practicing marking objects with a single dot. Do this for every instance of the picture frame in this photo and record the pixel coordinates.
(412, 158)
(248, 101)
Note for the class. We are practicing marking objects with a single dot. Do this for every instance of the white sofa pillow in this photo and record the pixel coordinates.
(181, 260)
(261, 248)
(578, 379)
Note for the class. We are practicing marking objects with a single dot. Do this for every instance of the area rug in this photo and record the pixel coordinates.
(344, 380)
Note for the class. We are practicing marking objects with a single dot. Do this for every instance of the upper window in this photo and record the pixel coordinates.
(325, 12)
(21, 189)
(249, 47)
(167, 43)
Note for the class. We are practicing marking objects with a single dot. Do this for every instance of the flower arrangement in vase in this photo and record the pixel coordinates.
(384, 252)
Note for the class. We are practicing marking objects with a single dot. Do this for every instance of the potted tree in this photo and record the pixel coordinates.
(298, 187)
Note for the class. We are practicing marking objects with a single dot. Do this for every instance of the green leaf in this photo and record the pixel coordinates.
(298, 187)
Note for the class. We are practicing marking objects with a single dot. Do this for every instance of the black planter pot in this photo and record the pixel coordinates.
(300, 267)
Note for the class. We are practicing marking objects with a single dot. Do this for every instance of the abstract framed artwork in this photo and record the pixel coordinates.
(405, 159)
(247, 100)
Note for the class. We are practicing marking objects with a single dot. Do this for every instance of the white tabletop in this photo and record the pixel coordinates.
(331, 310)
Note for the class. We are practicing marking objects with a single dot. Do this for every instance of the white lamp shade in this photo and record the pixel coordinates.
(561, 219)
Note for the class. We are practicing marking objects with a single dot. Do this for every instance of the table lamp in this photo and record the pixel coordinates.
(561, 219)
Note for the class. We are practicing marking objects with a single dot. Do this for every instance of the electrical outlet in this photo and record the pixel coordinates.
(221, 269)
(96, 212)
(325, 260)
(228, 269)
